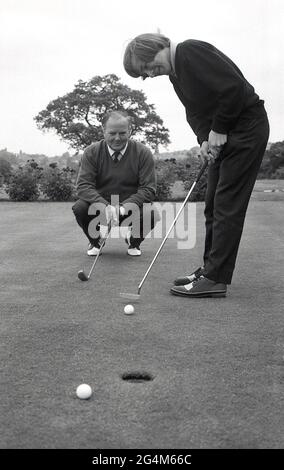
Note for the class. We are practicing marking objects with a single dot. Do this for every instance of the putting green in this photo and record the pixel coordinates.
(216, 364)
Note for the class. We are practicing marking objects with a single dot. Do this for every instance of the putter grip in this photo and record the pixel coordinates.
(203, 168)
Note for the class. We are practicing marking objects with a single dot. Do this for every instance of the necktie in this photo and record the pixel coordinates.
(115, 156)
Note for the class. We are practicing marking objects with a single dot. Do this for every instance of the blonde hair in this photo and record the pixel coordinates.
(143, 47)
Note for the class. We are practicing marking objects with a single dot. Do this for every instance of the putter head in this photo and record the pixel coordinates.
(82, 276)
(131, 297)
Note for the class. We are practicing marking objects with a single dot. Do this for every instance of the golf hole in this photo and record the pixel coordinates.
(137, 377)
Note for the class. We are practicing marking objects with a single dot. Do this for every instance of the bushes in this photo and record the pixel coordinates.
(30, 182)
(272, 165)
(199, 191)
(27, 183)
(23, 183)
(186, 170)
(57, 184)
(5, 170)
(165, 179)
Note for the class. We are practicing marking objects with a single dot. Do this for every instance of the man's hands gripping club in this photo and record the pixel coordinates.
(112, 214)
(210, 150)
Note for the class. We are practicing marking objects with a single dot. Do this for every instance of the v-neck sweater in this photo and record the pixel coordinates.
(132, 178)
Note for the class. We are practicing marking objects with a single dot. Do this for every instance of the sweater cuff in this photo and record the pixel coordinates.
(202, 138)
(220, 126)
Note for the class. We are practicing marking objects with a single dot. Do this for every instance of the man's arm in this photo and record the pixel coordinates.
(200, 127)
(217, 74)
(198, 124)
(86, 185)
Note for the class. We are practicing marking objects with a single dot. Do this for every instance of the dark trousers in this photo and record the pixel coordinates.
(230, 183)
(147, 217)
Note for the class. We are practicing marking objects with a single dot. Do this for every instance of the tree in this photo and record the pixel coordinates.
(5, 170)
(8, 156)
(272, 165)
(276, 156)
(76, 117)
(23, 183)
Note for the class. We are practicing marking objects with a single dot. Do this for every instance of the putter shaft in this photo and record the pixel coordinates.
(137, 296)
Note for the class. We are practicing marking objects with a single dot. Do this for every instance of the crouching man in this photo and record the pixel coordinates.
(116, 184)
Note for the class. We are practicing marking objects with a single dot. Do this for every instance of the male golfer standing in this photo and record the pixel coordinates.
(232, 128)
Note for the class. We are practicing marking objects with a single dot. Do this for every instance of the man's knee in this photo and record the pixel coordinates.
(80, 209)
(150, 216)
(155, 215)
(151, 213)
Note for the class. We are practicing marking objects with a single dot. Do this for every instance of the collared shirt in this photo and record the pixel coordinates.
(121, 152)
(173, 47)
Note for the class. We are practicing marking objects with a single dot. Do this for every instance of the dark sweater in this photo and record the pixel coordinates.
(211, 87)
(132, 178)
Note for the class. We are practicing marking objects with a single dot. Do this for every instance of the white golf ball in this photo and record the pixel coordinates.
(128, 309)
(84, 391)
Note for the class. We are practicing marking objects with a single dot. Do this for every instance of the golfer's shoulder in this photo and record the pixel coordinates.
(190, 45)
(141, 150)
(94, 151)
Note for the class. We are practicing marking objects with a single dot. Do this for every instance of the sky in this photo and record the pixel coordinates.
(46, 46)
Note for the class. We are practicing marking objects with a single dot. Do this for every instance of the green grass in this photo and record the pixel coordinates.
(216, 364)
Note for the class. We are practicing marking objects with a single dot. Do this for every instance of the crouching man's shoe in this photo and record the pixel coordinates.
(181, 281)
(201, 288)
(133, 250)
(94, 248)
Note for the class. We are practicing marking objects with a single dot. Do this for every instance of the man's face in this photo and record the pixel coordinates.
(160, 65)
(117, 133)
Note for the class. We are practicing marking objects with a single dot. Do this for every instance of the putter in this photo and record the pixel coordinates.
(81, 274)
(136, 297)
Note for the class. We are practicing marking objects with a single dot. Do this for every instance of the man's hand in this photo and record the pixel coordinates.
(216, 142)
(111, 214)
(204, 153)
(122, 210)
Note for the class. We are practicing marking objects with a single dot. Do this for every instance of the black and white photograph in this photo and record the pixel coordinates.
(141, 209)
